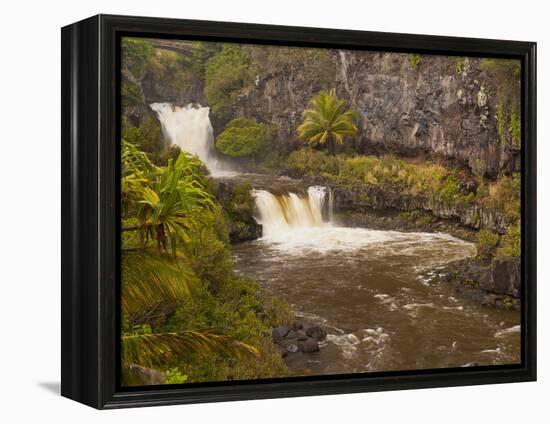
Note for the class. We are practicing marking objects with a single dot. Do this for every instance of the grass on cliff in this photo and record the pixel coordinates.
(431, 180)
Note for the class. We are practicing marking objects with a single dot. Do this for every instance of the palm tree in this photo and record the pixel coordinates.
(327, 121)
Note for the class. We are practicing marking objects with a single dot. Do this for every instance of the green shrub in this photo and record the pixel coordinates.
(310, 162)
(449, 189)
(510, 243)
(243, 137)
(479, 168)
(487, 242)
(505, 196)
(173, 376)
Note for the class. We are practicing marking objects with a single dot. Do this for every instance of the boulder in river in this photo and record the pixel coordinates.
(301, 335)
(310, 345)
(280, 332)
(317, 333)
(291, 334)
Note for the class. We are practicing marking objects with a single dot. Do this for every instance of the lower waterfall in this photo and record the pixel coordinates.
(286, 212)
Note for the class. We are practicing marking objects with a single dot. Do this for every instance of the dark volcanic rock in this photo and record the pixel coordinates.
(503, 277)
(310, 345)
(301, 335)
(280, 332)
(297, 326)
(316, 333)
(365, 198)
(290, 341)
(291, 334)
(494, 282)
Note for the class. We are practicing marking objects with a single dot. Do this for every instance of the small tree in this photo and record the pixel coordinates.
(327, 121)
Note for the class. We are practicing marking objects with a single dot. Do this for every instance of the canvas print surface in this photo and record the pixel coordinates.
(291, 212)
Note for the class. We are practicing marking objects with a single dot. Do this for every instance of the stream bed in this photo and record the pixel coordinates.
(380, 297)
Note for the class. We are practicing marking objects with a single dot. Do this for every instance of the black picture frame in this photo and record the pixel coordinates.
(90, 210)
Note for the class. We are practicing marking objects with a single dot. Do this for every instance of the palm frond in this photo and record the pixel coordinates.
(148, 280)
(158, 349)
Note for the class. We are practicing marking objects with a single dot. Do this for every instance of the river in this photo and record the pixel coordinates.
(378, 294)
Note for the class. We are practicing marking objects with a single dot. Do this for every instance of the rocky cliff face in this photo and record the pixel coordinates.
(436, 106)
(365, 198)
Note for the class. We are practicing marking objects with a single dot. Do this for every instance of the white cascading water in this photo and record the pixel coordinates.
(190, 128)
(294, 224)
(283, 214)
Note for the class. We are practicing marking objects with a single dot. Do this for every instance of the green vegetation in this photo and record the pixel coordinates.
(327, 121)
(414, 61)
(459, 65)
(202, 53)
(170, 71)
(425, 179)
(487, 242)
(504, 196)
(136, 54)
(508, 125)
(243, 137)
(515, 128)
(227, 74)
(184, 312)
(510, 243)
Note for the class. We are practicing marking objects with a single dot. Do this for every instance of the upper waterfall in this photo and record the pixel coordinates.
(190, 128)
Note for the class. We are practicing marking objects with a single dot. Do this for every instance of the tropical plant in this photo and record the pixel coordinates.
(166, 201)
(242, 137)
(149, 279)
(156, 349)
(327, 121)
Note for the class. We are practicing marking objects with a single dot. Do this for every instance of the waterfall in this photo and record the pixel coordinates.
(344, 70)
(284, 213)
(294, 224)
(189, 128)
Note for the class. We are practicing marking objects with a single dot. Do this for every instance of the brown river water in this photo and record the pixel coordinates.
(379, 294)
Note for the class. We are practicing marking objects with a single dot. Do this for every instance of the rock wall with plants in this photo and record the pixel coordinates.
(461, 109)
(465, 110)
